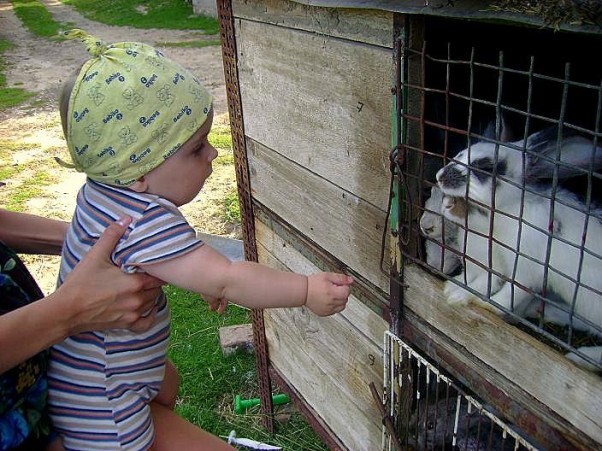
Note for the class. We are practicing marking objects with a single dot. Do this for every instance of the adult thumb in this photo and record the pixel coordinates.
(109, 238)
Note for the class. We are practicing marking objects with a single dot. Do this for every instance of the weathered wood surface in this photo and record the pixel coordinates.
(510, 356)
(321, 102)
(344, 225)
(370, 27)
(330, 361)
(461, 9)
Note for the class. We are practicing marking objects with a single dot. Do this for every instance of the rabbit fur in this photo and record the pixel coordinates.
(439, 231)
(448, 423)
(488, 174)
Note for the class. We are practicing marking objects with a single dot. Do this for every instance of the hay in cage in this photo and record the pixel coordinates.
(555, 12)
(438, 413)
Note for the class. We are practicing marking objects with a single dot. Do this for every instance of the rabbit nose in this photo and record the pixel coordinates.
(450, 177)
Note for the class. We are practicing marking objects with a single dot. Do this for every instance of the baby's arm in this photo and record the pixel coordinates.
(253, 285)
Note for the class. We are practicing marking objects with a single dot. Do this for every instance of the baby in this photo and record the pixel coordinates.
(137, 124)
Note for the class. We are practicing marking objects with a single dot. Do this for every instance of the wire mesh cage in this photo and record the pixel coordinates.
(433, 412)
(500, 158)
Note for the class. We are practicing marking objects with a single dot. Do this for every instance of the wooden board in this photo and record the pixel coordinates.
(509, 358)
(321, 102)
(344, 225)
(464, 9)
(330, 361)
(370, 27)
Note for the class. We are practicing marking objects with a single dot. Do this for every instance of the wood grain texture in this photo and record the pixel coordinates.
(343, 224)
(321, 102)
(330, 361)
(368, 26)
(508, 357)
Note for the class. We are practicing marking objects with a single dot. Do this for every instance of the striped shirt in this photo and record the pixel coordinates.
(100, 383)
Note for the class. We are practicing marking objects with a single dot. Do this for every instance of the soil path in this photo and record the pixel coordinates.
(34, 133)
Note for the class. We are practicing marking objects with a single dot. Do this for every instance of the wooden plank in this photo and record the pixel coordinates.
(369, 26)
(321, 102)
(511, 359)
(339, 222)
(330, 361)
(465, 9)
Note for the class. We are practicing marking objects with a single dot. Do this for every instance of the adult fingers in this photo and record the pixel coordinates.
(143, 323)
(109, 238)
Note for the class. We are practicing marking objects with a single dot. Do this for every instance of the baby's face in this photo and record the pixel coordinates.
(182, 176)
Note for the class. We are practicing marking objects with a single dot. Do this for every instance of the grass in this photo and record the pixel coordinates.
(9, 97)
(33, 187)
(36, 17)
(169, 14)
(209, 380)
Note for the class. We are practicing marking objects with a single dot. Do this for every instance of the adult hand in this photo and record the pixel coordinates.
(328, 293)
(104, 297)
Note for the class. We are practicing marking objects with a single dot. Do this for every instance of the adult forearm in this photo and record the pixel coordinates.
(29, 330)
(257, 286)
(30, 234)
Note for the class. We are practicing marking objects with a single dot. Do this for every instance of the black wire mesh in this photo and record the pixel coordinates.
(500, 180)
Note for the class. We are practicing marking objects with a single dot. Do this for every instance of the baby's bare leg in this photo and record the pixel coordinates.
(174, 433)
(169, 388)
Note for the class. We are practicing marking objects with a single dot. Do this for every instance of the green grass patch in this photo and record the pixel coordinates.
(36, 17)
(9, 97)
(190, 44)
(231, 207)
(33, 187)
(23, 191)
(169, 14)
(209, 381)
(220, 137)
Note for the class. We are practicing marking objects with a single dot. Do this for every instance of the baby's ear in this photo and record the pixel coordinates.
(140, 185)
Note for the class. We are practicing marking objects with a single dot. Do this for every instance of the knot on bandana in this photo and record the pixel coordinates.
(129, 110)
(94, 46)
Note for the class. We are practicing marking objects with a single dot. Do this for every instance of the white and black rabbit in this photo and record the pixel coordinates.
(441, 233)
(499, 177)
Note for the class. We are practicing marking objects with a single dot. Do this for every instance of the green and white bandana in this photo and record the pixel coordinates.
(130, 109)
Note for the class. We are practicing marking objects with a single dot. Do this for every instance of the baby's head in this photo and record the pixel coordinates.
(128, 110)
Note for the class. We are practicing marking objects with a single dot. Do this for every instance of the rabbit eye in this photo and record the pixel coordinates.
(484, 168)
(430, 425)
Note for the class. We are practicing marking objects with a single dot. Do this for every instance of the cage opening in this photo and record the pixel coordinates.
(433, 411)
(501, 191)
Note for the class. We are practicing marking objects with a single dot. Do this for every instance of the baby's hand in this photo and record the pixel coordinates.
(216, 304)
(327, 293)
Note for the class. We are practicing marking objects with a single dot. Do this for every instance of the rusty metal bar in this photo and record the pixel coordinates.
(229, 55)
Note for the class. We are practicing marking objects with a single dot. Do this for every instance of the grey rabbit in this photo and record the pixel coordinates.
(440, 231)
(448, 424)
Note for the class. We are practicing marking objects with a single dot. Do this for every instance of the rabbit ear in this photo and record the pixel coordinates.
(573, 155)
(505, 133)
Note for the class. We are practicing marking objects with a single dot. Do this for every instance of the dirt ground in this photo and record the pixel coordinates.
(33, 129)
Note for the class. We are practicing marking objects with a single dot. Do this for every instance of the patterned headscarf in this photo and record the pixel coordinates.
(130, 109)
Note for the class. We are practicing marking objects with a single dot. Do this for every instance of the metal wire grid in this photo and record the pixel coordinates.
(460, 126)
(442, 415)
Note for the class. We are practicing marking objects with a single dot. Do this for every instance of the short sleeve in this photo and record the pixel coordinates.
(160, 234)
